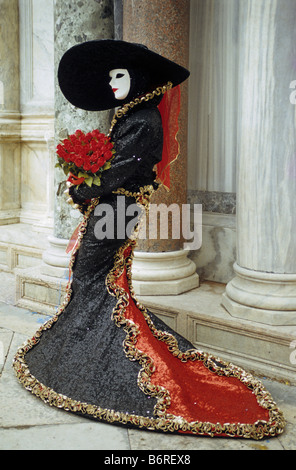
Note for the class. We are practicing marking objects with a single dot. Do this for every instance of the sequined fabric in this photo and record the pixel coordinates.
(106, 356)
(81, 356)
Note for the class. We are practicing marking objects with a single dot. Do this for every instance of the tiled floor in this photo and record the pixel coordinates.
(27, 423)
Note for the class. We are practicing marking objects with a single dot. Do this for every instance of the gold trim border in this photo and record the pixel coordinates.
(163, 421)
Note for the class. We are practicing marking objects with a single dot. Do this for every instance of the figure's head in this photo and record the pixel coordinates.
(127, 84)
(89, 71)
(120, 83)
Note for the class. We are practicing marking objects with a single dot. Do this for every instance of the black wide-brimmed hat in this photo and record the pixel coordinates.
(83, 72)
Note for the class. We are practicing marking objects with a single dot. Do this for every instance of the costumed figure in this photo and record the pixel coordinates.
(104, 355)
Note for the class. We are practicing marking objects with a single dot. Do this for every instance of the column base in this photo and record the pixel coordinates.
(268, 298)
(42, 288)
(55, 259)
(9, 217)
(165, 273)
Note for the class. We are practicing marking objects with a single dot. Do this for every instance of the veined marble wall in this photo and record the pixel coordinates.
(214, 260)
(36, 30)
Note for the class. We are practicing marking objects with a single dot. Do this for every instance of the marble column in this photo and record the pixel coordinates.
(264, 287)
(9, 113)
(162, 266)
(76, 21)
(37, 110)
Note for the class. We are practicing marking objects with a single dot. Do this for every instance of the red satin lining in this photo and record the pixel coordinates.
(169, 109)
(197, 394)
(73, 240)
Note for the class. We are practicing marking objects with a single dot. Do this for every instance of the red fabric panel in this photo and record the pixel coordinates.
(197, 394)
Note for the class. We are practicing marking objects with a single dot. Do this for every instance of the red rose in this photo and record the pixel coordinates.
(108, 155)
(78, 161)
(101, 161)
(87, 165)
(94, 158)
(85, 152)
(95, 168)
(109, 146)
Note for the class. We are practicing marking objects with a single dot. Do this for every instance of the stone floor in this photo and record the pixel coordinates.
(28, 424)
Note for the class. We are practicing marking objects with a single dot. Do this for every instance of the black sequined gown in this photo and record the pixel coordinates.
(105, 356)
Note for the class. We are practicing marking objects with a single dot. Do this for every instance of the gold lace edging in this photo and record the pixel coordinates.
(162, 421)
(161, 90)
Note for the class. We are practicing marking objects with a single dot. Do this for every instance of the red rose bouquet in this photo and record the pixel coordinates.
(83, 157)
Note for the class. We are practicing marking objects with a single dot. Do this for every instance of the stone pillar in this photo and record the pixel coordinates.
(162, 266)
(10, 159)
(37, 111)
(42, 288)
(264, 288)
(76, 21)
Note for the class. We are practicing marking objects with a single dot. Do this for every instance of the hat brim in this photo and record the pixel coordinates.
(83, 72)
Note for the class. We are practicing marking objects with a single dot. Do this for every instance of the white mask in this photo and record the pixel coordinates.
(120, 83)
